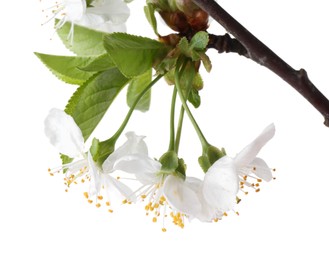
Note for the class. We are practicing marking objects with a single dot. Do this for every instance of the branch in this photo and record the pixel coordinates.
(227, 44)
(260, 53)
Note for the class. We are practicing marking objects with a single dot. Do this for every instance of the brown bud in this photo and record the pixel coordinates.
(171, 39)
(176, 21)
(199, 20)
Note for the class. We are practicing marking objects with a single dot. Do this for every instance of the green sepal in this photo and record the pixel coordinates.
(204, 163)
(206, 62)
(91, 100)
(94, 149)
(172, 165)
(89, 3)
(210, 156)
(214, 154)
(85, 41)
(181, 169)
(169, 161)
(65, 160)
(197, 82)
(100, 63)
(134, 55)
(101, 150)
(66, 68)
(194, 98)
(136, 86)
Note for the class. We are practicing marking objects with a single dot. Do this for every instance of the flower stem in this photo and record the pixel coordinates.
(203, 140)
(172, 121)
(132, 108)
(179, 128)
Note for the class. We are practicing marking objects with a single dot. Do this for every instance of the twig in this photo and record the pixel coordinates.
(226, 44)
(260, 53)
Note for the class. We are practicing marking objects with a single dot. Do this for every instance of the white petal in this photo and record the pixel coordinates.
(221, 184)
(95, 178)
(181, 197)
(109, 27)
(117, 191)
(248, 154)
(134, 145)
(261, 169)
(91, 21)
(74, 9)
(207, 213)
(144, 167)
(76, 166)
(115, 11)
(64, 133)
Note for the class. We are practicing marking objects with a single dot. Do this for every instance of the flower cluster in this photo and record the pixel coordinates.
(186, 197)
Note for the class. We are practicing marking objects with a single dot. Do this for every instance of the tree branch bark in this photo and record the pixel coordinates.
(260, 53)
(226, 44)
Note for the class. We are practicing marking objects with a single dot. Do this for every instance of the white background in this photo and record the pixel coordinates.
(287, 219)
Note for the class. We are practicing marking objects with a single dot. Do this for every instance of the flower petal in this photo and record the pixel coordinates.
(115, 11)
(95, 178)
(64, 133)
(221, 184)
(248, 154)
(207, 213)
(181, 197)
(116, 189)
(261, 169)
(109, 27)
(74, 9)
(134, 145)
(144, 167)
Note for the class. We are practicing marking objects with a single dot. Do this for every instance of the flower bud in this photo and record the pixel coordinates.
(181, 15)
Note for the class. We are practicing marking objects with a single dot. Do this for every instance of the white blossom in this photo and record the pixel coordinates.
(102, 15)
(227, 176)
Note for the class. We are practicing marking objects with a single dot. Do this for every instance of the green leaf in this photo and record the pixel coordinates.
(136, 86)
(86, 42)
(199, 41)
(101, 63)
(195, 49)
(66, 67)
(90, 102)
(149, 13)
(184, 46)
(133, 55)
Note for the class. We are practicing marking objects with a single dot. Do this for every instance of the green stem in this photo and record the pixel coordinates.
(132, 108)
(203, 140)
(179, 129)
(172, 121)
